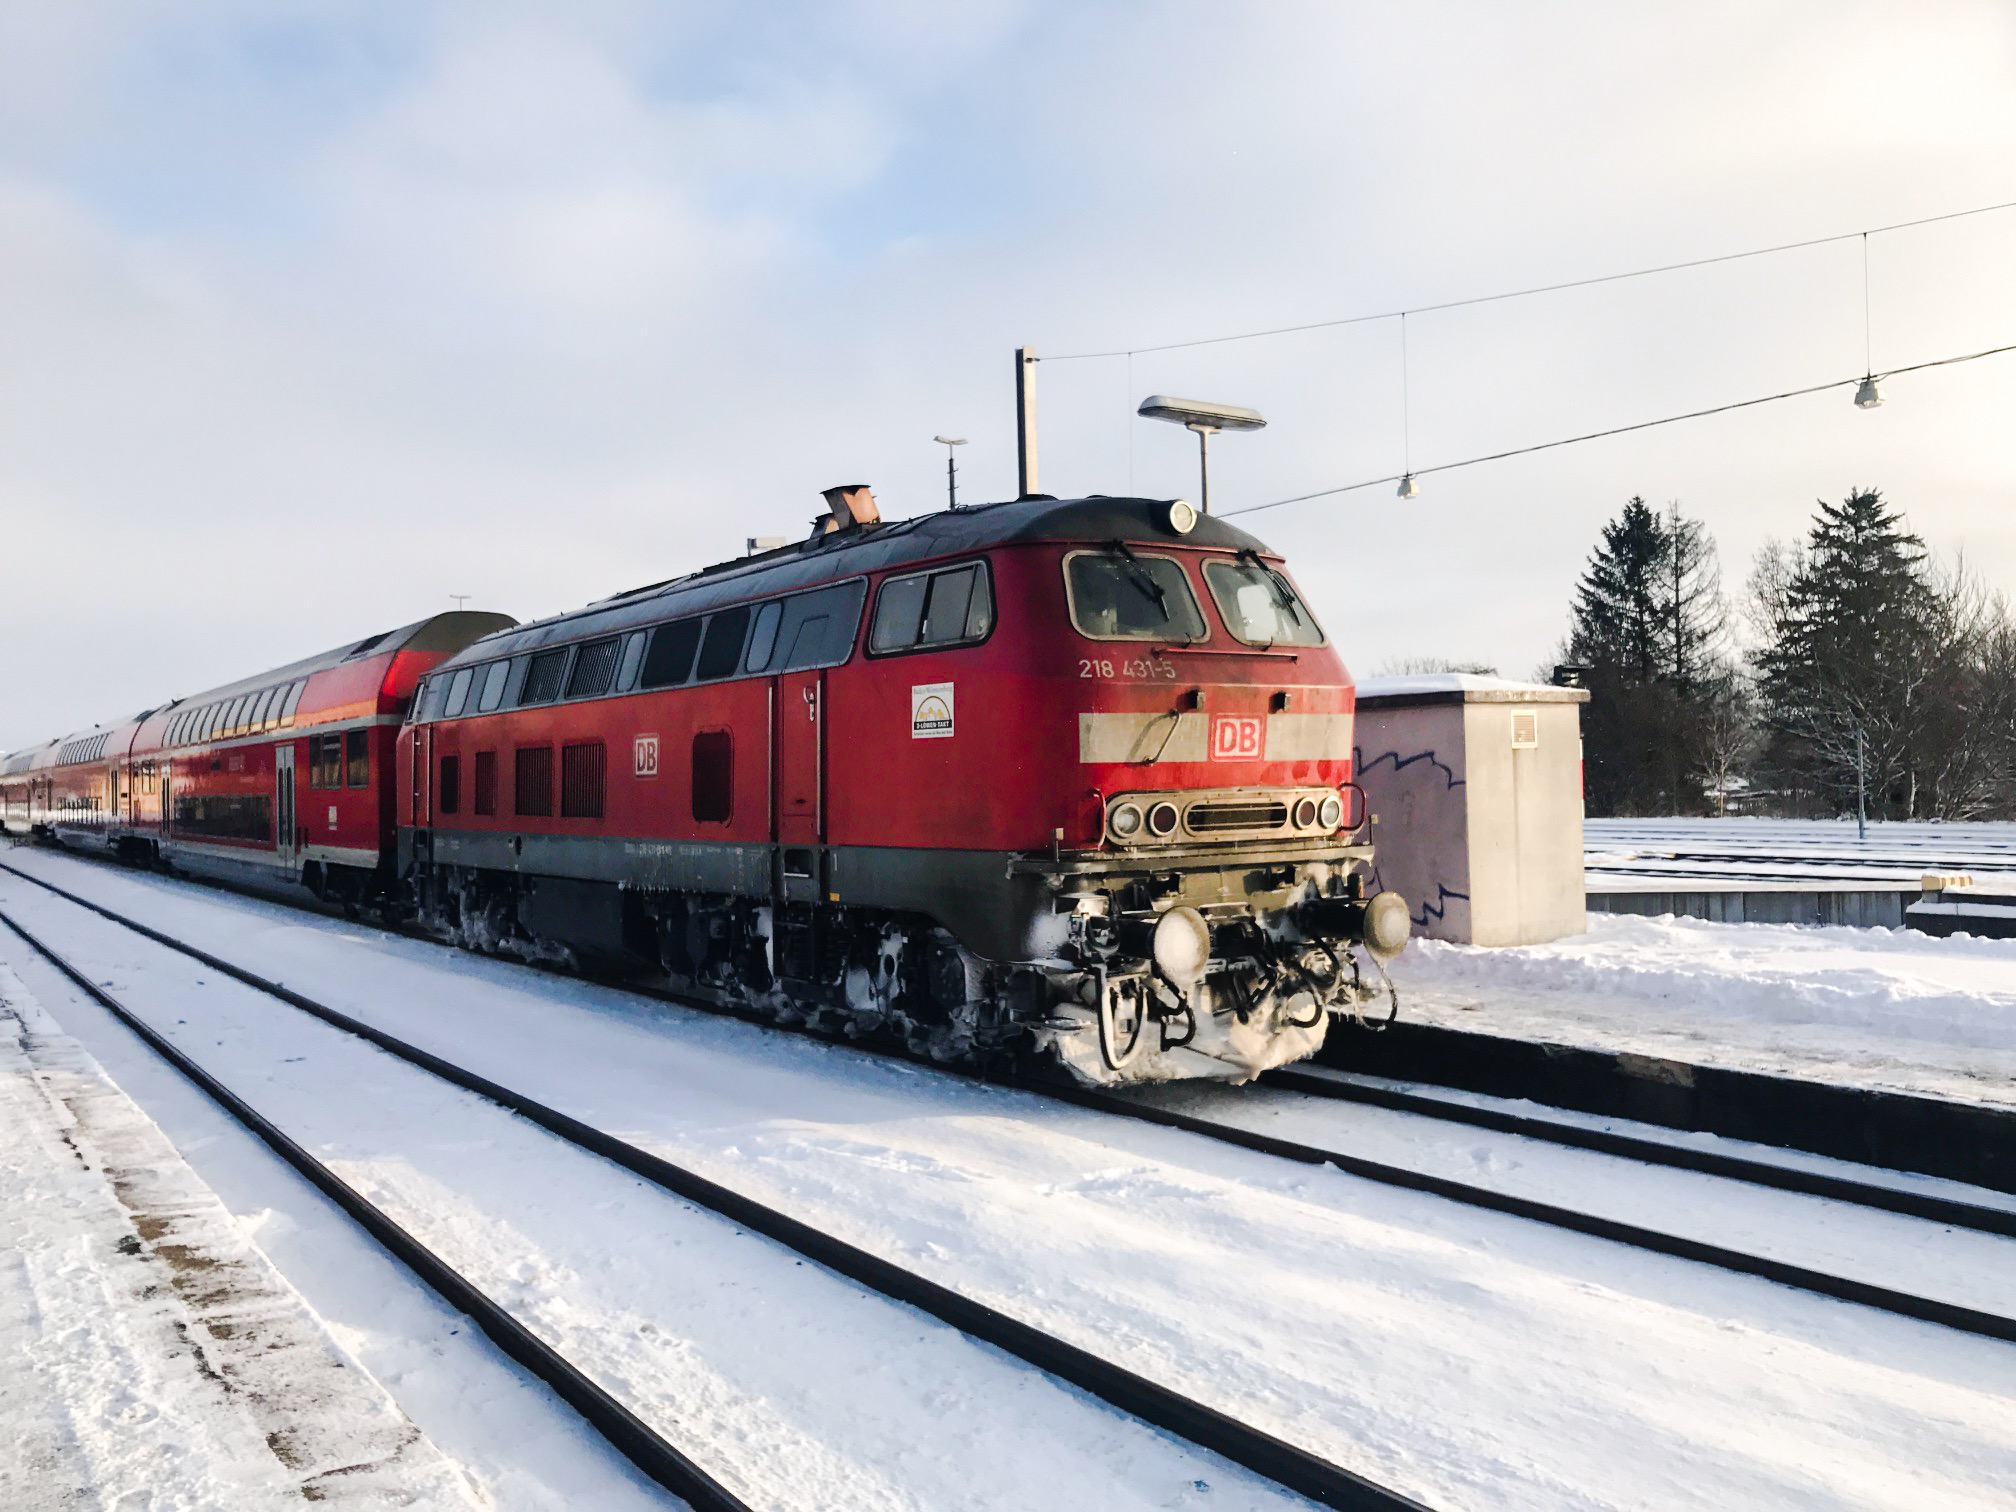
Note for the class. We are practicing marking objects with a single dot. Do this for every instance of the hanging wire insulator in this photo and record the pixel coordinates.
(1409, 489)
(1867, 395)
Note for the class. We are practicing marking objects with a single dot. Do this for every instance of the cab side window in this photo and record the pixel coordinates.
(953, 606)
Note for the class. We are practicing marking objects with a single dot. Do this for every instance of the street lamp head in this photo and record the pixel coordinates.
(1867, 395)
(950, 440)
(1199, 415)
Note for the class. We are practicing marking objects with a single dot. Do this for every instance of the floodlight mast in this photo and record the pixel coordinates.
(1206, 420)
(951, 468)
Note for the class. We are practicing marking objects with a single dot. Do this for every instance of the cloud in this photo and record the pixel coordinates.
(313, 320)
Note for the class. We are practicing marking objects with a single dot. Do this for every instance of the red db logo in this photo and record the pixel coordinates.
(1237, 737)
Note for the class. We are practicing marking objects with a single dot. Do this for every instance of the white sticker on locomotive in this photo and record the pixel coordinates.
(1237, 737)
(644, 755)
(930, 711)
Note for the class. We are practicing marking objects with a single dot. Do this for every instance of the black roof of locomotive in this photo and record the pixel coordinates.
(829, 557)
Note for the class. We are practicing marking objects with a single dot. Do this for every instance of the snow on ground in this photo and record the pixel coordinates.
(155, 1358)
(1874, 1007)
(1470, 1358)
(796, 1388)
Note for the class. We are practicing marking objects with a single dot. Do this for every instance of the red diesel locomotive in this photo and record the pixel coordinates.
(1071, 777)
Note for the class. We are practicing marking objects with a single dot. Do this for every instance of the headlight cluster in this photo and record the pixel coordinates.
(1224, 814)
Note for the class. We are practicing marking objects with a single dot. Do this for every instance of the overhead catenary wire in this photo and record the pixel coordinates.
(1551, 288)
(1619, 430)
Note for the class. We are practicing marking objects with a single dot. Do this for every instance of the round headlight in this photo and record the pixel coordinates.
(1332, 813)
(1182, 945)
(1179, 516)
(1305, 813)
(1162, 819)
(1124, 821)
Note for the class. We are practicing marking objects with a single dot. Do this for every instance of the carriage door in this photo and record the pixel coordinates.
(799, 808)
(286, 828)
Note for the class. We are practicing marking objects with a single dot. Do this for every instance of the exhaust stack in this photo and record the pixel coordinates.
(851, 504)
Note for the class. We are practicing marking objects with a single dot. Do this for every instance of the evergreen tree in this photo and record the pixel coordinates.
(1852, 667)
(1648, 623)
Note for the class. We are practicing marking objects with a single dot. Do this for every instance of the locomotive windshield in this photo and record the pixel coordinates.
(1259, 606)
(1117, 595)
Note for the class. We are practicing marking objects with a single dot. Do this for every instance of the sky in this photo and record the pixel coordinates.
(313, 316)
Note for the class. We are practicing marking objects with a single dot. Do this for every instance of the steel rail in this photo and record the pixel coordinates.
(1868, 1294)
(1936, 1209)
(1287, 1464)
(642, 1445)
(1841, 1288)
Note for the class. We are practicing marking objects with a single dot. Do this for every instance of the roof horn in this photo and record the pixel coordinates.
(852, 504)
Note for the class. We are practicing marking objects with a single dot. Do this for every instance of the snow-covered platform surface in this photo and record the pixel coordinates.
(1870, 1007)
(1620, 853)
(1468, 1358)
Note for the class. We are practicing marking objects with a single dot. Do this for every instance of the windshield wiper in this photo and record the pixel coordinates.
(1141, 578)
(1284, 596)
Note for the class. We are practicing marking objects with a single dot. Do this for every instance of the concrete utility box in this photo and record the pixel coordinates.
(1475, 787)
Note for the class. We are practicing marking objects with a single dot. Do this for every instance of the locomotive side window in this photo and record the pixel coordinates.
(484, 789)
(448, 791)
(818, 628)
(458, 693)
(950, 607)
(763, 637)
(633, 659)
(1259, 606)
(721, 650)
(594, 668)
(357, 758)
(1117, 595)
(713, 777)
(543, 677)
(670, 660)
(532, 782)
(494, 678)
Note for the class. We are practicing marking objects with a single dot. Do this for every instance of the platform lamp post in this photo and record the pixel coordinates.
(1206, 420)
(951, 467)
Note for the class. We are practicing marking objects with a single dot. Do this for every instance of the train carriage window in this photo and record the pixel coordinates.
(228, 725)
(458, 693)
(581, 780)
(293, 700)
(670, 659)
(927, 610)
(532, 782)
(448, 791)
(721, 649)
(543, 677)
(1258, 604)
(633, 661)
(494, 678)
(325, 761)
(594, 668)
(261, 708)
(763, 637)
(357, 758)
(483, 791)
(713, 777)
(1116, 594)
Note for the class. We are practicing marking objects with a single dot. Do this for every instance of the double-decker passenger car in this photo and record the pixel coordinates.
(280, 780)
(1071, 774)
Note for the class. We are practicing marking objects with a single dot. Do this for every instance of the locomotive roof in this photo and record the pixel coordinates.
(851, 552)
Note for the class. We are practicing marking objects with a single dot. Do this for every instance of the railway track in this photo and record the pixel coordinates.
(1734, 1168)
(673, 1466)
